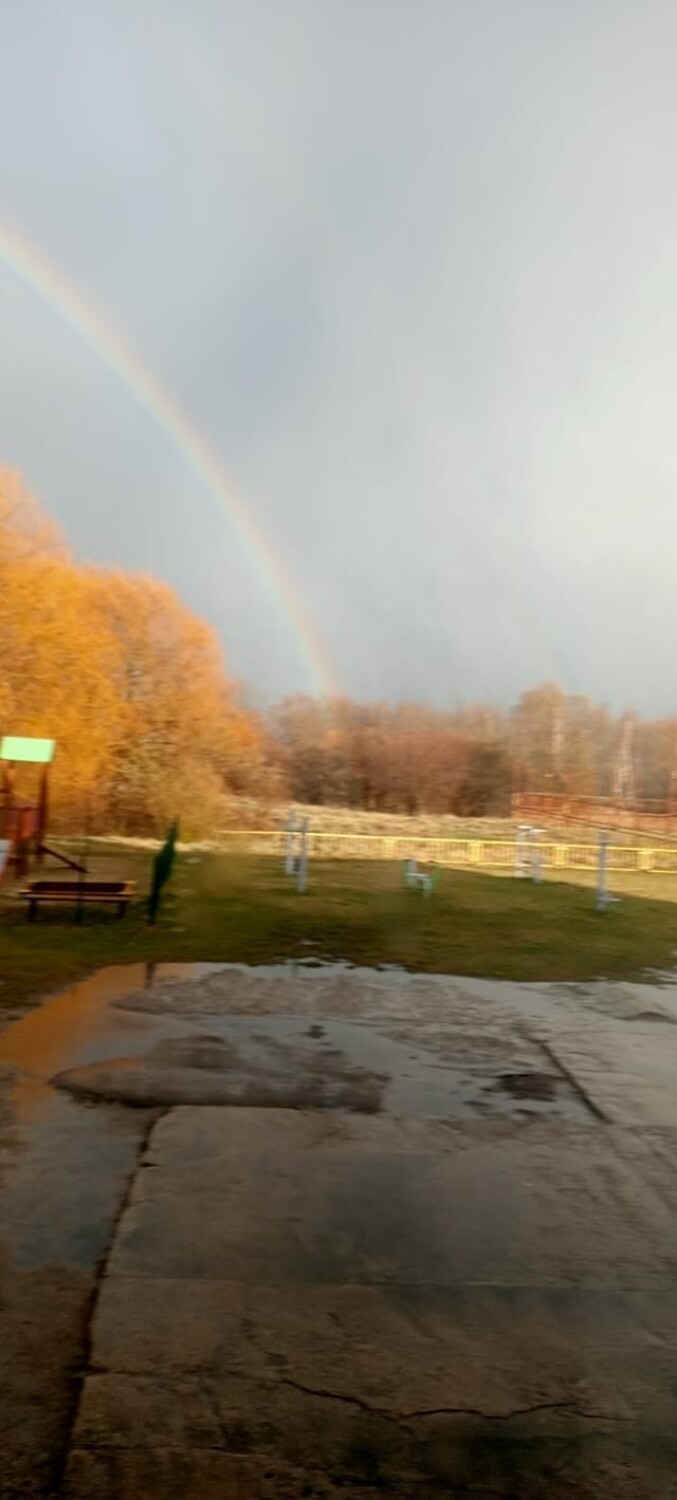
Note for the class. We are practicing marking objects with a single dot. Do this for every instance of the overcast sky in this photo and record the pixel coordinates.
(410, 266)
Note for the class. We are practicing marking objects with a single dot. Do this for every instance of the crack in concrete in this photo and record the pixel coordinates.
(571, 1407)
(201, 1375)
(85, 1362)
(572, 1080)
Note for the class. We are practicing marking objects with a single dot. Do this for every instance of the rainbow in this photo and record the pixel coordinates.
(30, 267)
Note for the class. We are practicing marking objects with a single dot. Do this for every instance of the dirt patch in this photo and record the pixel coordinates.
(213, 1070)
(540, 1086)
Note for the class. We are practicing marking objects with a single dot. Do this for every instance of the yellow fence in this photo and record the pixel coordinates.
(498, 854)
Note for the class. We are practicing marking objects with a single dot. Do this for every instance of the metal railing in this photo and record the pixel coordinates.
(483, 853)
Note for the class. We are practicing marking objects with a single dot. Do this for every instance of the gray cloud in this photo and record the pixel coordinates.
(410, 269)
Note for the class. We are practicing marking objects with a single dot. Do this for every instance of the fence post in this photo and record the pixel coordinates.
(290, 847)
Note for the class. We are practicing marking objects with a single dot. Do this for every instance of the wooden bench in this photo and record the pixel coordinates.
(79, 893)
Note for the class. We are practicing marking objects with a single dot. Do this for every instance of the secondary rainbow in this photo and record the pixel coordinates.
(31, 267)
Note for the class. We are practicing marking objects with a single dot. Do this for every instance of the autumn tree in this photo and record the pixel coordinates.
(128, 682)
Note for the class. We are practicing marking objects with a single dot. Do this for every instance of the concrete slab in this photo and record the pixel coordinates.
(162, 1474)
(403, 1348)
(458, 1277)
(547, 1206)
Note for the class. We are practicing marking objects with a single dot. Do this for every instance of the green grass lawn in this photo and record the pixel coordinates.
(240, 907)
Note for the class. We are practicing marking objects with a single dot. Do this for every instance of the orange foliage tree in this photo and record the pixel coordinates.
(119, 672)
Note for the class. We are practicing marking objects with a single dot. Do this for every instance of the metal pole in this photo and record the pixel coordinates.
(602, 893)
(289, 856)
(302, 874)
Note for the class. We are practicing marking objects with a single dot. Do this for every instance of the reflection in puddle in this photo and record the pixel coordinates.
(42, 1042)
(88, 1040)
(70, 1151)
(66, 1165)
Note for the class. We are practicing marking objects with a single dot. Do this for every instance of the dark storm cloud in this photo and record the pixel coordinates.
(409, 267)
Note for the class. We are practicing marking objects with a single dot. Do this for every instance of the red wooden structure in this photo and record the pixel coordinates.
(23, 824)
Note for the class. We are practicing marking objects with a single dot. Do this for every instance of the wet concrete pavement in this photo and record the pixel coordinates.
(304, 1232)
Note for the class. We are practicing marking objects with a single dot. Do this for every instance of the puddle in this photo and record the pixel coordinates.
(42, 1042)
(71, 1068)
(168, 1049)
(282, 1061)
(65, 1166)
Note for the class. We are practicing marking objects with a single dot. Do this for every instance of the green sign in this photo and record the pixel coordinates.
(18, 747)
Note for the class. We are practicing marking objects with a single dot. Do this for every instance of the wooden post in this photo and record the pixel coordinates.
(43, 812)
(83, 871)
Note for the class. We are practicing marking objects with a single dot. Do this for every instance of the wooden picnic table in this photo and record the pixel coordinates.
(79, 893)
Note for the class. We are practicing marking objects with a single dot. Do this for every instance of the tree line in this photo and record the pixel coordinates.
(150, 726)
(468, 761)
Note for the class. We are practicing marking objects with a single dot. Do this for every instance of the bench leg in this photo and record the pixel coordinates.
(32, 910)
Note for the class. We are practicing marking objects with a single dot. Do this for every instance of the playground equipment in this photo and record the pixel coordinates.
(416, 879)
(296, 851)
(529, 853)
(23, 825)
(604, 897)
